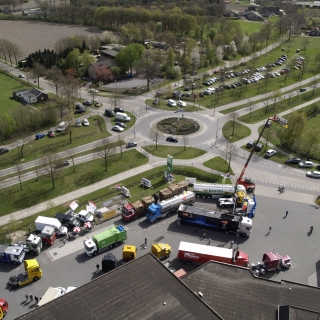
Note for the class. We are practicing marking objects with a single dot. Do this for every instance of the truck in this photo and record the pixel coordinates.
(105, 240)
(32, 273)
(199, 253)
(33, 244)
(129, 253)
(12, 254)
(51, 294)
(109, 262)
(166, 207)
(48, 235)
(161, 250)
(209, 219)
(212, 190)
(4, 307)
(275, 261)
(41, 222)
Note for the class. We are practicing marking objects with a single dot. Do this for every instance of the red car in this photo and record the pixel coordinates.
(51, 134)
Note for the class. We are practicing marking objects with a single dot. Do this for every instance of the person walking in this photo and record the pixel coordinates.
(36, 299)
(287, 213)
(64, 241)
(196, 229)
(209, 241)
(98, 266)
(231, 244)
(145, 242)
(31, 297)
(204, 235)
(27, 297)
(311, 229)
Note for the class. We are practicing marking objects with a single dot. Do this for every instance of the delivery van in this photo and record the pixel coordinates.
(41, 222)
(122, 116)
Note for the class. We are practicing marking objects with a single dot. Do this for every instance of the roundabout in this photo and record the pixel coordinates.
(178, 126)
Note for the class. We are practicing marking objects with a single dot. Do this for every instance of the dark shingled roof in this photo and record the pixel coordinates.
(141, 289)
(234, 293)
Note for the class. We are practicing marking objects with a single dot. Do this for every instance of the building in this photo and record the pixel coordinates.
(111, 50)
(30, 95)
(231, 14)
(97, 69)
(253, 16)
(315, 32)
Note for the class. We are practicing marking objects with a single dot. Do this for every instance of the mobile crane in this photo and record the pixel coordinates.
(248, 183)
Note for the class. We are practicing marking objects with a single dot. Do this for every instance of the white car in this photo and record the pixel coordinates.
(270, 153)
(85, 122)
(313, 174)
(93, 90)
(305, 164)
(78, 123)
(21, 75)
(84, 216)
(172, 103)
(117, 128)
(181, 103)
(276, 74)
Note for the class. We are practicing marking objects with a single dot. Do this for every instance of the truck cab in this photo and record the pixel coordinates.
(48, 235)
(33, 244)
(12, 254)
(161, 250)
(129, 253)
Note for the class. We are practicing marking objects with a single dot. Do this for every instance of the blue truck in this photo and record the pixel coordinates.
(12, 254)
(165, 208)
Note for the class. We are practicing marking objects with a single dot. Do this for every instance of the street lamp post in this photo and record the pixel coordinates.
(217, 132)
(35, 161)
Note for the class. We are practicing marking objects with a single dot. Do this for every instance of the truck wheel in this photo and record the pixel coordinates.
(14, 262)
(116, 244)
(95, 253)
(35, 278)
(167, 256)
(156, 220)
(169, 214)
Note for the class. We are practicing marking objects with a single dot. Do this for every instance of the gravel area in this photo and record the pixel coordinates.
(32, 36)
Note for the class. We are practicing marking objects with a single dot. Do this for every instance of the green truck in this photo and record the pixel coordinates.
(105, 240)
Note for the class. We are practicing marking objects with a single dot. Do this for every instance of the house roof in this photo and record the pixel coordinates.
(141, 289)
(21, 91)
(234, 293)
(103, 62)
(35, 92)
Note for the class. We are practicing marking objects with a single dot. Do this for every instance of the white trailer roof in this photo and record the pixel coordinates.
(50, 295)
(204, 249)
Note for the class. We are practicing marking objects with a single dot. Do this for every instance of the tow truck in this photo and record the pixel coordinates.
(247, 182)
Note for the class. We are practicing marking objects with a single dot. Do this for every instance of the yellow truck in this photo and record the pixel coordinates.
(129, 253)
(161, 250)
(32, 272)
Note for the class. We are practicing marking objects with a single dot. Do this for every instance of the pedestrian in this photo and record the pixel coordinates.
(64, 241)
(287, 213)
(311, 229)
(97, 267)
(231, 244)
(204, 235)
(145, 242)
(27, 297)
(195, 229)
(31, 297)
(209, 241)
(36, 299)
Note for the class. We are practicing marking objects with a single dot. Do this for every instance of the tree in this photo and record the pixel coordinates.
(315, 84)
(149, 64)
(155, 135)
(185, 140)
(276, 96)
(50, 166)
(232, 116)
(105, 74)
(266, 30)
(311, 139)
(72, 60)
(19, 173)
(232, 49)
(39, 71)
(71, 153)
(195, 58)
(296, 124)
(230, 152)
(115, 99)
(55, 74)
(105, 150)
(219, 53)
(128, 56)
(86, 59)
(16, 52)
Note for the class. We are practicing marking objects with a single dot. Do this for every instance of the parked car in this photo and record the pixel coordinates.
(51, 134)
(78, 123)
(118, 109)
(293, 160)
(79, 106)
(181, 103)
(305, 164)
(93, 90)
(84, 216)
(68, 220)
(250, 144)
(117, 128)
(120, 124)
(155, 101)
(3, 150)
(313, 174)
(131, 145)
(40, 136)
(172, 103)
(303, 89)
(87, 102)
(172, 139)
(98, 104)
(85, 122)
(258, 147)
(109, 113)
(62, 164)
(270, 153)
(21, 75)
(79, 111)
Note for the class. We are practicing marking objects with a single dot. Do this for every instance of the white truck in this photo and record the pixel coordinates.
(212, 190)
(41, 222)
(84, 216)
(51, 294)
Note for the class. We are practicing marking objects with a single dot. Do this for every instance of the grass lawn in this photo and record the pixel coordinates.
(218, 164)
(249, 27)
(132, 183)
(177, 152)
(240, 131)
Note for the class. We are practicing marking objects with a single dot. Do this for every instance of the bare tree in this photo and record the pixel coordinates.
(250, 107)
(315, 84)
(69, 125)
(232, 116)
(71, 154)
(155, 135)
(120, 145)
(185, 141)
(50, 166)
(22, 138)
(230, 152)
(290, 95)
(266, 103)
(105, 150)
(276, 96)
(38, 71)
(16, 52)
(115, 99)
(55, 74)
(19, 173)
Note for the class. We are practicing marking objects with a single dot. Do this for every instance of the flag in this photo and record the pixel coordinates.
(91, 209)
(92, 205)
(73, 205)
(118, 187)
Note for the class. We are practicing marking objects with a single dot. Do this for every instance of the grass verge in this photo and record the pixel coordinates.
(177, 152)
(240, 131)
(218, 164)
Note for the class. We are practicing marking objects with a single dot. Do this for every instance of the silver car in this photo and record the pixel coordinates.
(313, 174)
(305, 164)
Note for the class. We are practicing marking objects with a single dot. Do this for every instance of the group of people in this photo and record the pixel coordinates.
(30, 296)
(281, 189)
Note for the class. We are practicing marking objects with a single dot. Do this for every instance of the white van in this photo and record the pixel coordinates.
(62, 125)
(41, 222)
(122, 117)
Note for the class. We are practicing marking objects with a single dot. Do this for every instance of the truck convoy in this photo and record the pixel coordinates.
(12, 254)
(105, 240)
(32, 272)
(164, 208)
(209, 219)
(33, 244)
(161, 250)
(131, 211)
(199, 253)
(41, 222)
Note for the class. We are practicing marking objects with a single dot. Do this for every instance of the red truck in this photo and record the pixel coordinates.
(198, 253)
(48, 235)
(275, 261)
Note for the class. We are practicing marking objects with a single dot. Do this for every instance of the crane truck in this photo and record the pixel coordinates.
(199, 253)
(164, 208)
(209, 219)
(12, 254)
(105, 240)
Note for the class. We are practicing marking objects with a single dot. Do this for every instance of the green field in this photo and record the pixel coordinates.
(218, 164)
(249, 27)
(176, 152)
